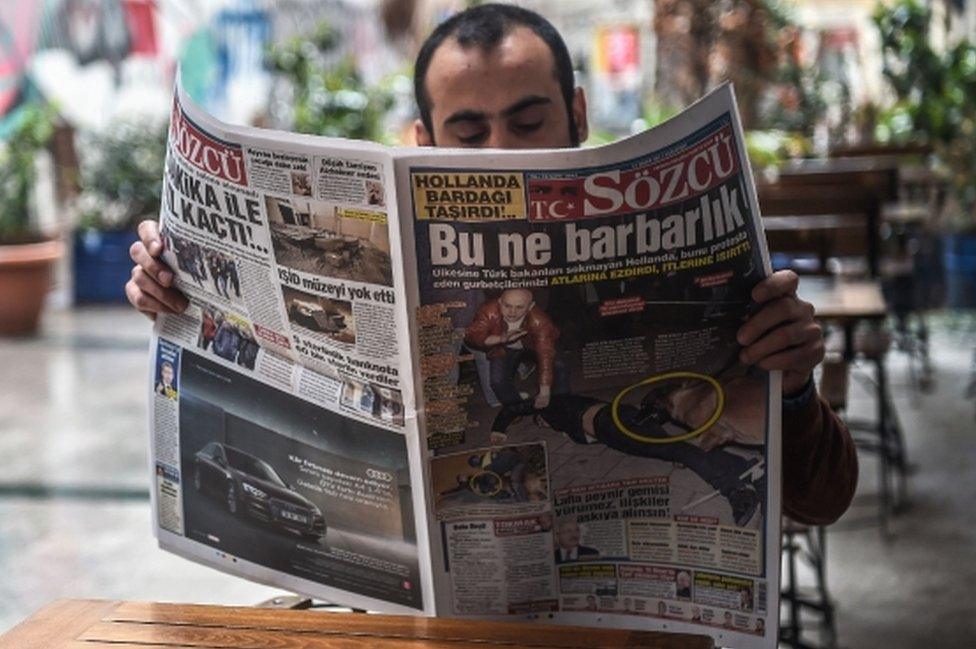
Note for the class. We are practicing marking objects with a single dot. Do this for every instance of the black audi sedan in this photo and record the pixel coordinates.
(249, 486)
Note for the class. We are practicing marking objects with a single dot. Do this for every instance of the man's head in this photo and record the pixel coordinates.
(166, 373)
(497, 76)
(567, 533)
(515, 303)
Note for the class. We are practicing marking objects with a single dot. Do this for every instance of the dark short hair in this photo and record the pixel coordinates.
(484, 26)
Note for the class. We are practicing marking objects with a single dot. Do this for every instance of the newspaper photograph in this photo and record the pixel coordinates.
(497, 384)
(589, 311)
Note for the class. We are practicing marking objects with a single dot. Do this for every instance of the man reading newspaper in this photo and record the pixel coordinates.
(500, 76)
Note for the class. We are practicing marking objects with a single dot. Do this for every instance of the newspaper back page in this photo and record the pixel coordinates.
(282, 438)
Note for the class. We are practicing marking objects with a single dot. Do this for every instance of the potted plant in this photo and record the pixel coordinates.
(936, 92)
(120, 176)
(26, 255)
(326, 93)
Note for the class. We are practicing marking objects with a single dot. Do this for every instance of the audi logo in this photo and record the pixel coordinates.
(376, 474)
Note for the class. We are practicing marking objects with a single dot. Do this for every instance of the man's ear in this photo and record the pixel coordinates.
(421, 134)
(579, 114)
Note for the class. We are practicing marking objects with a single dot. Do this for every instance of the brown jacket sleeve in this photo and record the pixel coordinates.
(480, 327)
(819, 464)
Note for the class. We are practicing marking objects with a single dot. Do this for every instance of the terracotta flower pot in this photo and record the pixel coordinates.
(25, 277)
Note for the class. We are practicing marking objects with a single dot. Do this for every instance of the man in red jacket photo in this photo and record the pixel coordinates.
(508, 329)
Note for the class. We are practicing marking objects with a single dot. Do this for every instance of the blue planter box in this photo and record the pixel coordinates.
(960, 269)
(102, 265)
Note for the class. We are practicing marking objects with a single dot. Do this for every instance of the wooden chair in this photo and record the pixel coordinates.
(847, 196)
(826, 222)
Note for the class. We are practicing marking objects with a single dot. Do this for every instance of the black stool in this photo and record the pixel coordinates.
(805, 608)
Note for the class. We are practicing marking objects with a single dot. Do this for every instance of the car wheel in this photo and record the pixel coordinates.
(232, 505)
(197, 479)
(314, 537)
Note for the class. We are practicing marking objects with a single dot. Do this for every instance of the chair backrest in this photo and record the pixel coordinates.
(821, 221)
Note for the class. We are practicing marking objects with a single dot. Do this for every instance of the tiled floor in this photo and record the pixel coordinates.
(74, 519)
(914, 590)
(74, 510)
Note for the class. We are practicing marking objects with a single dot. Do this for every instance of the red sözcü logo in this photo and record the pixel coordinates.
(204, 152)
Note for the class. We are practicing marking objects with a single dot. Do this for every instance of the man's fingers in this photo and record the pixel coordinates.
(149, 236)
(145, 304)
(780, 283)
(171, 298)
(799, 359)
(780, 339)
(140, 254)
(774, 314)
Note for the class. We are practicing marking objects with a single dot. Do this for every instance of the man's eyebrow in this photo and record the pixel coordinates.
(476, 116)
(465, 116)
(522, 104)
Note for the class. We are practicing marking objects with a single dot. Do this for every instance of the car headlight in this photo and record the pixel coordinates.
(254, 491)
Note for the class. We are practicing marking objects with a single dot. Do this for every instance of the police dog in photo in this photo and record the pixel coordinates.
(490, 479)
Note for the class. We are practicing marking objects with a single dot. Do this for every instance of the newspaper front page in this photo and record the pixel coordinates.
(596, 452)
(471, 383)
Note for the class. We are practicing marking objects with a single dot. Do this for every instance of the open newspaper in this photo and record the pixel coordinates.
(497, 384)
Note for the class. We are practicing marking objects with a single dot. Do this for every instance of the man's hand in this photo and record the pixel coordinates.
(495, 438)
(150, 288)
(782, 334)
(542, 399)
(513, 335)
(505, 338)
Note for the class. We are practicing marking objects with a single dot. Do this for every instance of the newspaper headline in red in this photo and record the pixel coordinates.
(684, 175)
(272, 336)
(204, 152)
(518, 526)
(621, 306)
(715, 279)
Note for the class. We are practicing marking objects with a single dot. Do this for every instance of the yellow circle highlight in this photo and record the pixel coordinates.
(719, 407)
(483, 494)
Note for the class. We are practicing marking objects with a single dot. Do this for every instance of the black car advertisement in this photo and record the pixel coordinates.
(272, 479)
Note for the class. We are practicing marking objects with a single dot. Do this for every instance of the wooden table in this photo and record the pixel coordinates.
(95, 624)
(875, 179)
(844, 300)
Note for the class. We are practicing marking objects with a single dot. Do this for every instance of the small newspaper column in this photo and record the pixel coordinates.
(597, 454)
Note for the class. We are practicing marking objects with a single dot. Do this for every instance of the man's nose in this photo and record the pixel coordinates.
(501, 138)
